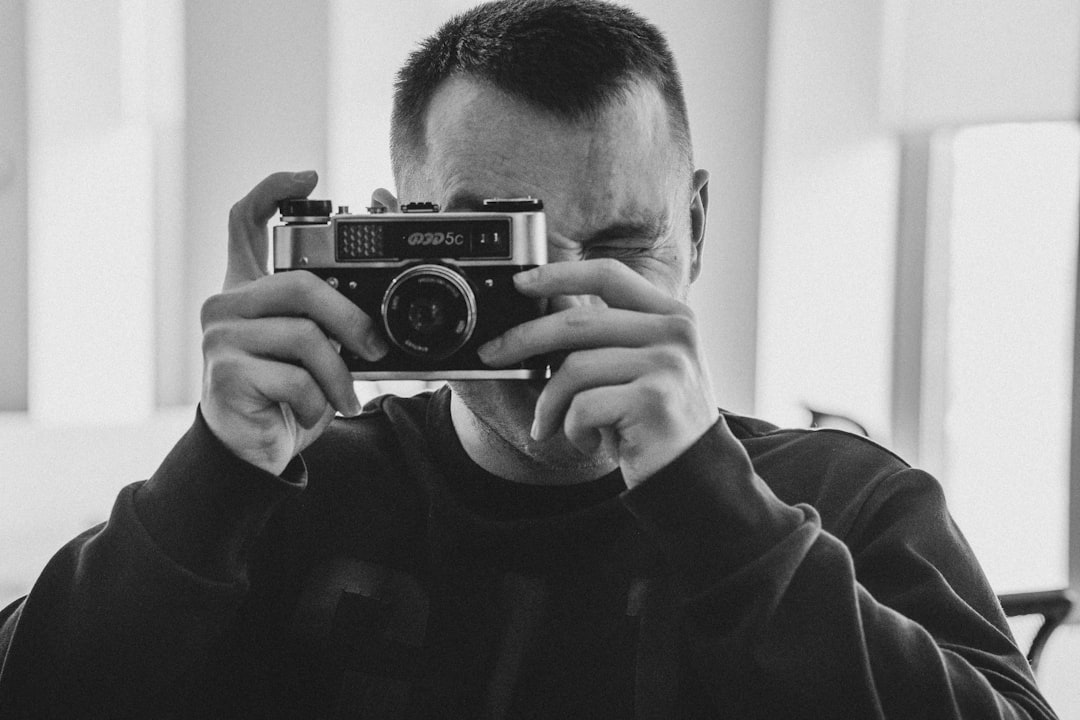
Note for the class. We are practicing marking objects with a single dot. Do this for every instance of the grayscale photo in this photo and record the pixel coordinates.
(539, 359)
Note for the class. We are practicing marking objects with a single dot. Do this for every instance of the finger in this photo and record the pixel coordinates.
(382, 197)
(584, 327)
(298, 341)
(610, 280)
(593, 417)
(581, 371)
(293, 386)
(249, 247)
(299, 293)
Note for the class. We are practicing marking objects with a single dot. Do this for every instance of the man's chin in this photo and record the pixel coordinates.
(520, 392)
(503, 411)
(505, 407)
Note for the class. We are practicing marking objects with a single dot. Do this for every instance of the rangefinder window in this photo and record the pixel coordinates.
(363, 240)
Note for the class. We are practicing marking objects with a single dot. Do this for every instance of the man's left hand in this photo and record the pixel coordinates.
(634, 380)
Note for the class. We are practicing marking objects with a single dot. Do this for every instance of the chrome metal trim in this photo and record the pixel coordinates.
(493, 374)
(315, 243)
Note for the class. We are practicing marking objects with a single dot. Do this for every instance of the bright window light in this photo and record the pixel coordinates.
(1012, 270)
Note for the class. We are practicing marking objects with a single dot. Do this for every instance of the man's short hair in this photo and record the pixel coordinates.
(568, 58)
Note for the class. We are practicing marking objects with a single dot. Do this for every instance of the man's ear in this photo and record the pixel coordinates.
(699, 208)
(384, 198)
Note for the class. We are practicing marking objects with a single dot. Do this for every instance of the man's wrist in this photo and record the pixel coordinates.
(709, 509)
(204, 504)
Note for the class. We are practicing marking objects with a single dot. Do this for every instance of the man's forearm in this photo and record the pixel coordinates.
(123, 611)
(204, 506)
(777, 622)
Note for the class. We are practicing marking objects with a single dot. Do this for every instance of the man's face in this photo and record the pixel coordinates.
(614, 187)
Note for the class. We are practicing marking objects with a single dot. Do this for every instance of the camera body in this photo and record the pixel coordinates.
(438, 284)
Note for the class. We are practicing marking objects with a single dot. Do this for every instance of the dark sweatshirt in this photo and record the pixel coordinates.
(385, 575)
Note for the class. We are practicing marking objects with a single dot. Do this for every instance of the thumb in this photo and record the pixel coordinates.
(249, 247)
(384, 198)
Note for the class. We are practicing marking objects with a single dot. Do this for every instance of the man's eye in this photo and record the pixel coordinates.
(616, 251)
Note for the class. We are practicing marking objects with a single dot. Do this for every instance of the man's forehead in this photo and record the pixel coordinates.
(464, 110)
(468, 122)
(481, 141)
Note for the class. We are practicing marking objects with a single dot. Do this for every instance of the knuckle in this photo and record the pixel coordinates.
(214, 336)
(573, 364)
(222, 372)
(238, 215)
(297, 382)
(306, 392)
(308, 333)
(212, 310)
(681, 328)
(355, 318)
(580, 316)
(574, 419)
(307, 286)
(611, 266)
(303, 341)
(611, 271)
(653, 392)
(668, 360)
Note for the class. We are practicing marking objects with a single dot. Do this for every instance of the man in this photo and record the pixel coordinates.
(605, 544)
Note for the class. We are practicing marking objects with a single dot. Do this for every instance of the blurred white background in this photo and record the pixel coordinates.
(892, 234)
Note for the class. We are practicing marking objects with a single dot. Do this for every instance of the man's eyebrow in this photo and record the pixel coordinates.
(649, 227)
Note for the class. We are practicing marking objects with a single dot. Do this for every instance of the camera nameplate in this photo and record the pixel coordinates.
(300, 246)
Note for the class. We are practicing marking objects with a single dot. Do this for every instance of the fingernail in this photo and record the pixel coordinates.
(305, 177)
(376, 346)
(488, 349)
(355, 408)
(525, 277)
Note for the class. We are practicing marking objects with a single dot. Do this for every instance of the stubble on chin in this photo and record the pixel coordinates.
(502, 414)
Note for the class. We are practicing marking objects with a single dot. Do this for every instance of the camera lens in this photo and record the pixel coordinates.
(427, 315)
(429, 311)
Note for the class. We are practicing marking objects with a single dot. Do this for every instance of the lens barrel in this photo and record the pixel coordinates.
(429, 311)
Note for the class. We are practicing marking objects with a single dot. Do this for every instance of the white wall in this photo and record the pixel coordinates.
(90, 216)
(13, 250)
(1012, 288)
(828, 219)
(968, 61)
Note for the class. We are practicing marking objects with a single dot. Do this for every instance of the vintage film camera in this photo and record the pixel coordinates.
(438, 283)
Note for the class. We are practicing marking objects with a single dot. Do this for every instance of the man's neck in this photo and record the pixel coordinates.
(553, 462)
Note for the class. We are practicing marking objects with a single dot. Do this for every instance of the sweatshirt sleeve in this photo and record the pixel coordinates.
(123, 610)
(783, 619)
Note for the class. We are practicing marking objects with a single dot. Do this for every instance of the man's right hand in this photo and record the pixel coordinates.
(272, 375)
